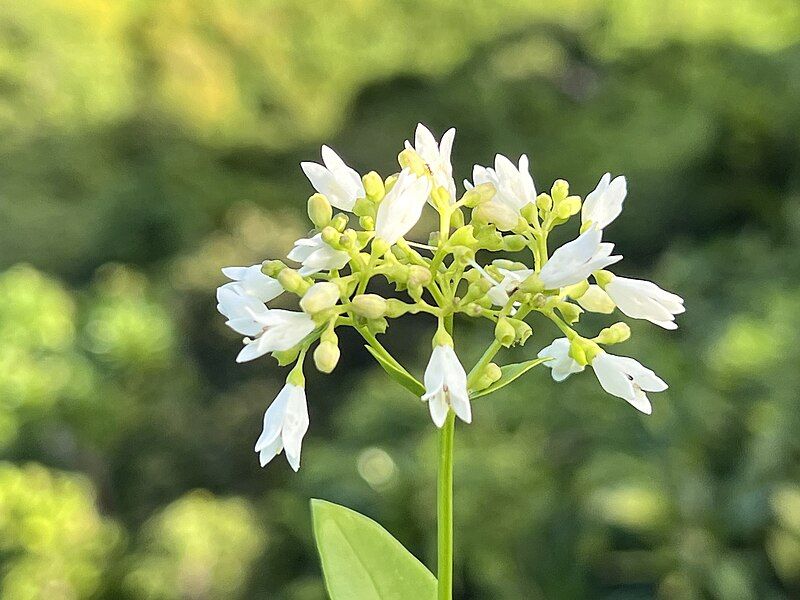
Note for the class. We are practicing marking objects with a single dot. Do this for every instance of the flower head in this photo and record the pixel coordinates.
(436, 156)
(285, 424)
(315, 255)
(402, 207)
(576, 260)
(562, 365)
(626, 378)
(513, 190)
(604, 204)
(645, 300)
(279, 330)
(340, 184)
(446, 386)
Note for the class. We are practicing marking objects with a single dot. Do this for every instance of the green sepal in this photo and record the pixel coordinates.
(362, 561)
(398, 373)
(510, 373)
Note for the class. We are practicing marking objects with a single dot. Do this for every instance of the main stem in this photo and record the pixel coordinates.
(444, 495)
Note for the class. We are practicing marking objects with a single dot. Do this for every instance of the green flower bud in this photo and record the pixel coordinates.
(364, 207)
(409, 159)
(473, 310)
(559, 191)
(487, 377)
(373, 185)
(320, 296)
(419, 275)
(319, 210)
(326, 356)
(348, 239)
(522, 331)
(529, 212)
(504, 332)
(478, 195)
(568, 207)
(570, 312)
(390, 181)
(514, 243)
(369, 306)
(457, 218)
(617, 333)
(293, 282)
(271, 268)
(379, 247)
(331, 236)
(367, 223)
(339, 222)
(544, 202)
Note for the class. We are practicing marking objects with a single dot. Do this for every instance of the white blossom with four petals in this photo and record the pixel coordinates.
(402, 206)
(513, 186)
(436, 156)
(315, 255)
(576, 260)
(285, 424)
(641, 299)
(604, 203)
(340, 184)
(446, 386)
(279, 330)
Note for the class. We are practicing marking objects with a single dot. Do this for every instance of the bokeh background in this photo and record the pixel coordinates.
(143, 145)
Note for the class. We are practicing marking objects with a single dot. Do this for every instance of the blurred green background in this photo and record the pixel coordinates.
(145, 144)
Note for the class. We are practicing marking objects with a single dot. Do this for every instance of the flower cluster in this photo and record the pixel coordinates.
(499, 211)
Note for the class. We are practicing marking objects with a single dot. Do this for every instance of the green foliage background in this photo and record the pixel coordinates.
(145, 144)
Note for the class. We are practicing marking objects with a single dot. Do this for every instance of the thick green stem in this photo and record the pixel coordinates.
(445, 508)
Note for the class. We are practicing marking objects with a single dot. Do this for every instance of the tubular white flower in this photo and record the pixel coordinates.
(285, 424)
(436, 156)
(250, 281)
(604, 204)
(320, 296)
(279, 330)
(513, 189)
(340, 184)
(562, 364)
(446, 386)
(626, 378)
(240, 310)
(645, 300)
(576, 260)
(402, 207)
(315, 255)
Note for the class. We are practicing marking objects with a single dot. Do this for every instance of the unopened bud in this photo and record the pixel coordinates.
(331, 236)
(529, 212)
(419, 275)
(373, 185)
(544, 202)
(568, 207)
(457, 218)
(504, 332)
(363, 207)
(379, 246)
(560, 190)
(464, 236)
(326, 356)
(339, 222)
(271, 268)
(367, 223)
(319, 210)
(473, 310)
(513, 243)
(570, 312)
(479, 194)
(320, 296)
(522, 331)
(293, 282)
(369, 306)
(617, 333)
(409, 159)
(487, 377)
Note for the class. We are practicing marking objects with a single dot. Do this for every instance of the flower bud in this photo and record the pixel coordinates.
(487, 377)
(522, 331)
(390, 181)
(293, 282)
(320, 296)
(544, 202)
(513, 243)
(409, 159)
(326, 356)
(348, 239)
(331, 236)
(319, 210)
(478, 195)
(373, 185)
(570, 312)
(379, 247)
(463, 236)
(271, 268)
(504, 332)
(473, 310)
(369, 306)
(568, 207)
(339, 222)
(529, 212)
(457, 218)
(617, 333)
(559, 191)
(367, 223)
(363, 207)
(419, 275)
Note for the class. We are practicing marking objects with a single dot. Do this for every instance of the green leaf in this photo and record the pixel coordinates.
(362, 561)
(510, 373)
(399, 374)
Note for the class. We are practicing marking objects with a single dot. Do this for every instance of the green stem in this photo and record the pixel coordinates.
(445, 508)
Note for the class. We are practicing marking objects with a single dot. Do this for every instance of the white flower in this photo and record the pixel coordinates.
(315, 255)
(446, 386)
(240, 310)
(501, 291)
(320, 296)
(576, 260)
(645, 300)
(436, 156)
(513, 189)
(279, 330)
(250, 281)
(402, 207)
(285, 424)
(627, 379)
(562, 364)
(604, 204)
(340, 184)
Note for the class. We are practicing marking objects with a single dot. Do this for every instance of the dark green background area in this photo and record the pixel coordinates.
(144, 145)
